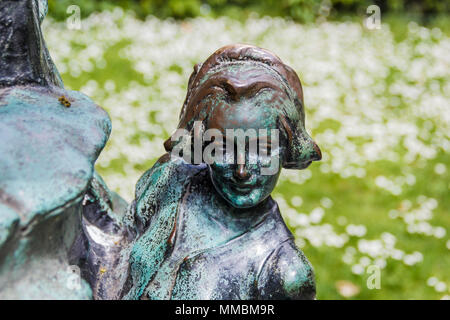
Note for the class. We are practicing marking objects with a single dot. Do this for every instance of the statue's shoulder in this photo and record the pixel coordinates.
(163, 168)
(161, 186)
(287, 274)
(165, 171)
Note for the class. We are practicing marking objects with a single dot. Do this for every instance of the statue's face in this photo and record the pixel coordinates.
(246, 100)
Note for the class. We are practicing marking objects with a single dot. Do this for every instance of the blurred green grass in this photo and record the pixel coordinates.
(355, 200)
(299, 10)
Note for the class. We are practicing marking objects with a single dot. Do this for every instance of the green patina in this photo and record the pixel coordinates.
(34, 123)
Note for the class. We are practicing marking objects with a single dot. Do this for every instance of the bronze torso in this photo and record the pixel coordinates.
(214, 254)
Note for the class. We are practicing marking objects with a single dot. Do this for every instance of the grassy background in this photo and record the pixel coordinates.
(350, 201)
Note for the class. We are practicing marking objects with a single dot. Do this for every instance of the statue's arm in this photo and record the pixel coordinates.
(286, 275)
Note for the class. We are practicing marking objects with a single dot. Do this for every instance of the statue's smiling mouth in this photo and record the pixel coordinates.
(245, 189)
(241, 187)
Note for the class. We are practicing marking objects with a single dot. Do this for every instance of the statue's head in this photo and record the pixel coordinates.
(250, 107)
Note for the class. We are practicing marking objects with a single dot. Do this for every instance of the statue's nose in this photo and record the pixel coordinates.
(241, 172)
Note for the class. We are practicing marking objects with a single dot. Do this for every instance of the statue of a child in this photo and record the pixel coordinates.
(211, 230)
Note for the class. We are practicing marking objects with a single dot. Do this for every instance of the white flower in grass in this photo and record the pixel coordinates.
(412, 259)
(440, 286)
(358, 269)
(326, 202)
(432, 281)
(296, 201)
(316, 215)
(439, 232)
(356, 230)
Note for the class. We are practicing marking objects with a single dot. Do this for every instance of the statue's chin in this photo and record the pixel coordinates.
(241, 205)
(240, 201)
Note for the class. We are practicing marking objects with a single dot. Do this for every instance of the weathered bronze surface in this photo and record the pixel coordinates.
(197, 229)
